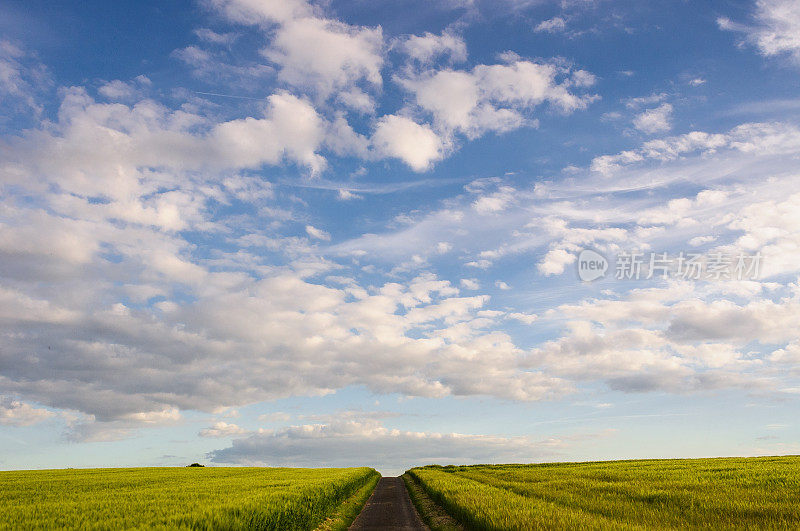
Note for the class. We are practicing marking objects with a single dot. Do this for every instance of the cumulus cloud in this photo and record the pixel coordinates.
(321, 55)
(496, 201)
(555, 261)
(495, 97)
(685, 338)
(152, 268)
(655, 120)
(232, 344)
(330, 61)
(328, 56)
(402, 138)
(98, 273)
(146, 134)
(428, 47)
(665, 339)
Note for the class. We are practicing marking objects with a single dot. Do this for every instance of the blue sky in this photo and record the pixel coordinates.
(347, 233)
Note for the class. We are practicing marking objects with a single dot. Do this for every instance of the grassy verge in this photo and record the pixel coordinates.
(351, 508)
(431, 513)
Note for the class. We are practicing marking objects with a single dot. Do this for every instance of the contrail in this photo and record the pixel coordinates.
(228, 96)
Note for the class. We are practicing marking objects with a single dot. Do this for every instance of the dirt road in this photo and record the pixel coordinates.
(389, 508)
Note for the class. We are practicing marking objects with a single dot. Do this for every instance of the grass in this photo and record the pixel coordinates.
(350, 509)
(431, 513)
(169, 498)
(727, 493)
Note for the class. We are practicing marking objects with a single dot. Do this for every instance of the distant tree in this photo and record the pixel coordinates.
(194, 464)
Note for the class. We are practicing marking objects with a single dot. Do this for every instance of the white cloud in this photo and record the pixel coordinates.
(416, 145)
(117, 90)
(493, 97)
(479, 264)
(689, 337)
(22, 77)
(665, 338)
(347, 195)
(553, 25)
(165, 415)
(348, 442)
(582, 78)
(291, 128)
(555, 261)
(222, 429)
(121, 424)
(317, 234)
(776, 30)
(148, 135)
(245, 76)
(328, 56)
(131, 178)
(324, 56)
(470, 283)
(107, 269)
(637, 103)
(697, 241)
(17, 413)
(263, 11)
(758, 139)
(771, 228)
(527, 318)
(428, 47)
(212, 36)
(328, 59)
(655, 120)
(496, 201)
(416, 337)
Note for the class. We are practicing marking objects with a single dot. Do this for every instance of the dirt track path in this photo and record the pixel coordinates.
(389, 508)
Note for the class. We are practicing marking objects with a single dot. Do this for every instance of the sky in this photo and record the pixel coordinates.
(361, 233)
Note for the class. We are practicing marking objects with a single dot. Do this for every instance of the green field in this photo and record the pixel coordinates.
(199, 498)
(740, 493)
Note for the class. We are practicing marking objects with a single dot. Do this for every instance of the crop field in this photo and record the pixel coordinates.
(741, 493)
(199, 498)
